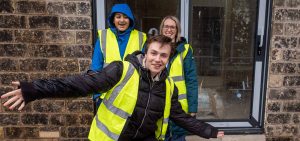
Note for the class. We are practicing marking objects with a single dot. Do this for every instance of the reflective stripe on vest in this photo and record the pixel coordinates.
(119, 103)
(110, 48)
(162, 124)
(177, 74)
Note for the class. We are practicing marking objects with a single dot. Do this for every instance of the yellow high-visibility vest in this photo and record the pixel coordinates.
(110, 48)
(119, 103)
(177, 74)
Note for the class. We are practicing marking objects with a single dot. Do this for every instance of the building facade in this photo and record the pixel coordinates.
(45, 38)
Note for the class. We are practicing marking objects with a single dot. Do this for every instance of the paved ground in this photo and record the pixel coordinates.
(230, 138)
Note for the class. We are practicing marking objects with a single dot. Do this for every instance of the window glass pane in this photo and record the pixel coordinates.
(149, 13)
(222, 34)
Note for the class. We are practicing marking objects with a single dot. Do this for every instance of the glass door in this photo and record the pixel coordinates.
(223, 36)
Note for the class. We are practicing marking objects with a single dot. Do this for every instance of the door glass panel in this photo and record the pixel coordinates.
(222, 36)
(149, 13)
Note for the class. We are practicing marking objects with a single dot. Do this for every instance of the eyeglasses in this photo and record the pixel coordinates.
(169, 27)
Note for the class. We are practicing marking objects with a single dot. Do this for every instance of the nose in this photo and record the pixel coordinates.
(157, 58)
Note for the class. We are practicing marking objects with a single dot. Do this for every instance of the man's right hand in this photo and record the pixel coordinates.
(15, 98)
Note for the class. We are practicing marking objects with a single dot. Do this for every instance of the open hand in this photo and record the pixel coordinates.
(220, 134)
(16, 98)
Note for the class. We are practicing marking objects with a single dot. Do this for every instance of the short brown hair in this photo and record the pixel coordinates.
(162, 39)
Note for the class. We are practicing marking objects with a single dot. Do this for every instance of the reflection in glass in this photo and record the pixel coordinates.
(222, 37)
(149, 13)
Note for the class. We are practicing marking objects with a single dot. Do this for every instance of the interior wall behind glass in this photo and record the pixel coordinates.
(222, 35)
(149, 13)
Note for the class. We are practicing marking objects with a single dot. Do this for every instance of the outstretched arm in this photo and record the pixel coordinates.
(73, 86)
(190, 123)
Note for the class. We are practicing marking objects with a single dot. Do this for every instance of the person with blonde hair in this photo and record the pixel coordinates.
(182, 70)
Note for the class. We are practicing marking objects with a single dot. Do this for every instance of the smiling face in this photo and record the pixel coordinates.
(157, 57)
(121, 21)
(169, 29)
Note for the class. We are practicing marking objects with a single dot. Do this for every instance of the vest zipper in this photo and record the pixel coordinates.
(151, 86)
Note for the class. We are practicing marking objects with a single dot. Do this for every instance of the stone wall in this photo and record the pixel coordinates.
(43, 39)
(282, 118)
(53, 38)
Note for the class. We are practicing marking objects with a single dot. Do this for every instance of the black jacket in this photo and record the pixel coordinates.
(150, 103)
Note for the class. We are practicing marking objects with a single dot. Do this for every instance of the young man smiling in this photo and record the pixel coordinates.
(139, 101)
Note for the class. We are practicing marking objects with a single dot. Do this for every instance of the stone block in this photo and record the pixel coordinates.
(278, 118)
(279, 139)
(296, 119)
(55, 8)
(7, 64)
(275, 81)
(46, 51)
(31, 7)
(57, 120)
(34, 76)
(29, 36)
(289, 55)
(4, 90)
(279, 14)
(49, 106)
(293, 3)
(44, 22)
(86, 119)
(80, 106)
(282, 130)
(13, 50)
(48, 134)
(282, 94)
(291, 81)
(75, 23)
(278, 3)
(291, 107)
(277, 28)
(84, 37)
(84, 8)
(274, 106)
(9, 119)
(56, 37)
(6, 6)
(12, 21)
(63, 65)
(49, 128)
(33, 64)
(283, 68)
(78, 51)
(84, 65)
(77, 132)
(71, 120)
(276, 54)
(7, 78)
(285, 42)
(1, 133)
(21, 132)
(292, 29)
(70, 8)
(6, 35)
(287, 15)
(27, 108)
(34, 119)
